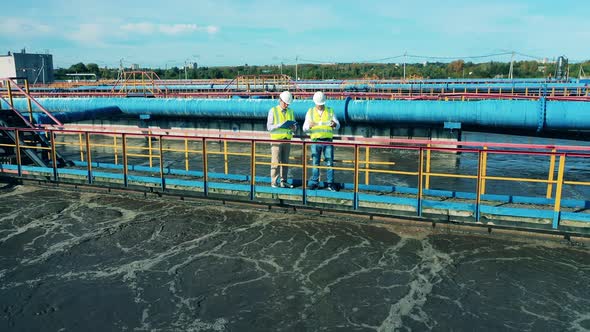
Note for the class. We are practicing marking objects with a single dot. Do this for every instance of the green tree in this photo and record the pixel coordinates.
(92, 68)
(78, 68)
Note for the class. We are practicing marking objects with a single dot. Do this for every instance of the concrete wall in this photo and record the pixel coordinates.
(7, 68)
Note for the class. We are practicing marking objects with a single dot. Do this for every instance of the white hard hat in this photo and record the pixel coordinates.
(286, 97)
(319, 98)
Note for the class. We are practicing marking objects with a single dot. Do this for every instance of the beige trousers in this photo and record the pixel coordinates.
(280, 155)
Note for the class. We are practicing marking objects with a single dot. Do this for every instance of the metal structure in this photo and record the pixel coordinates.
(562, 68)
(36, 68)
(139, 83)
(251, 83)
(122, 158)
(261, 87)
(538, 115)
(11, 117)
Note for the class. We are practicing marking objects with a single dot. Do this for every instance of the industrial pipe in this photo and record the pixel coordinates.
(523, 114)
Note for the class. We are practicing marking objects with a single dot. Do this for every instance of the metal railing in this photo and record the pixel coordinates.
(11, 85)
(131, 151)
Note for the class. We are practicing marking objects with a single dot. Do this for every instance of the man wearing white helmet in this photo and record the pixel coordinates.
(281, 124)
(320, 122)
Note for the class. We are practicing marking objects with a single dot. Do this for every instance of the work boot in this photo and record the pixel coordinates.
(285, 184)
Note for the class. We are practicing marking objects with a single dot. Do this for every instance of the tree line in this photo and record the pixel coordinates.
(427, 70)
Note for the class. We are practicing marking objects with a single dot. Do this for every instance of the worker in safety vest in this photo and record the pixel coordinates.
(281, 124)
(320, 123)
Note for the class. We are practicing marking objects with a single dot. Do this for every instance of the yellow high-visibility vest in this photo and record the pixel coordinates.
(280, 117)
(322, 127)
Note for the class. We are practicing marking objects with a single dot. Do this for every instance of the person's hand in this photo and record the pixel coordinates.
(311, 124)
(332, 124)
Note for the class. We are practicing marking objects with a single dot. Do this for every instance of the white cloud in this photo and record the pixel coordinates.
(175, 29)
(104, 33)
(167, 29)
(145, 28)
(23, 27)
(89, 33)
(291, 16)
(211, 29)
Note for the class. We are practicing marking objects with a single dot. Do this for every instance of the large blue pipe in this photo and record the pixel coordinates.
(487, 113)
(183, 107)
(75, 116)
(524, 114)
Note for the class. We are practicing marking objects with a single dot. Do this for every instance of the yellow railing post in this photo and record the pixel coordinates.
(484, 161)
(550, 176)
(115, 149)
(558, 191)
(367, 158)
(478, 184)
(427, 176)
(161, 151)
(420, 181)
(150, 148)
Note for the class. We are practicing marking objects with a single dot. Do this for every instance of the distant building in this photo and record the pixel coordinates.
(37, 68)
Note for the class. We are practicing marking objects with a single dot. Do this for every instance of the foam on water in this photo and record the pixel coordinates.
(186, 266)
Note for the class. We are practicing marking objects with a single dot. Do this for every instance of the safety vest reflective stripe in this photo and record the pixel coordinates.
(280, 117)
(322, 128)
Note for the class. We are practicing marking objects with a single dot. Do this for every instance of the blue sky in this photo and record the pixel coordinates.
(228, 32)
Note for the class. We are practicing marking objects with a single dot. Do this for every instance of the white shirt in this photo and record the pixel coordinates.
(270, 120)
